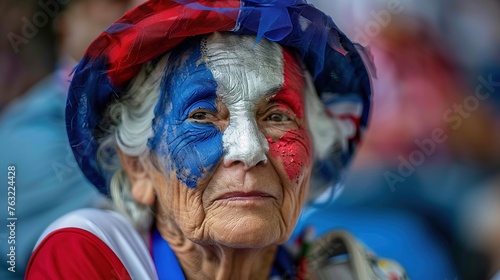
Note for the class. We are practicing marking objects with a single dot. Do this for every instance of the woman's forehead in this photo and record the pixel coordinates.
(241, 68)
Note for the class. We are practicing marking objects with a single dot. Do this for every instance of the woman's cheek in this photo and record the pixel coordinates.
(294, 150)
(191, 150)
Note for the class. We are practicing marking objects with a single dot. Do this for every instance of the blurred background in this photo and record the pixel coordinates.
(40, 43)
(425, 187)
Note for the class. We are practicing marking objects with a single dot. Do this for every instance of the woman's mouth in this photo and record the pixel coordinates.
(245, 196)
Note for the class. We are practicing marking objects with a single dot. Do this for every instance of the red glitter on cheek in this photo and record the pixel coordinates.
(294, 150)
(294, 147)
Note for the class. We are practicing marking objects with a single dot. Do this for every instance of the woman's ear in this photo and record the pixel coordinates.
(141, 183)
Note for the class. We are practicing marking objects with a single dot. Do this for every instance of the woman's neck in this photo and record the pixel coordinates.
(217, 261)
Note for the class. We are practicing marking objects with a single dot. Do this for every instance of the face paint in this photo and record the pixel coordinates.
(191, 149)
(241, 75)
(246, 74)
(294, 147)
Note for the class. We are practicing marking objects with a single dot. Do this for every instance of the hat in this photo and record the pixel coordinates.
(157, 26)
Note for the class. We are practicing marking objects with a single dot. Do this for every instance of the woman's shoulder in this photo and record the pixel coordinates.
(106, 224)
(100, 242)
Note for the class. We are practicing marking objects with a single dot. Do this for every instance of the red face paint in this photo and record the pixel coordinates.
(294, 150)
(294, 147)
(292, 91)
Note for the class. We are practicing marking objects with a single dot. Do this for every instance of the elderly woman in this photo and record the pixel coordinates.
(210, 124)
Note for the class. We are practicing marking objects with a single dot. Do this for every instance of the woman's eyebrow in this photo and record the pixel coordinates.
(274, 91)
(200, 90)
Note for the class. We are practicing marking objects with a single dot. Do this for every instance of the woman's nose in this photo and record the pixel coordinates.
(244, 143)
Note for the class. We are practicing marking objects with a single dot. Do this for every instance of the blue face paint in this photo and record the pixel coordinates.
(191, 149)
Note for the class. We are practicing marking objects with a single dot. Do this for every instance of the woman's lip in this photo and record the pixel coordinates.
(245, 195)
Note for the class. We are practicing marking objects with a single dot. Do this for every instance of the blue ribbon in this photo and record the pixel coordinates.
(166, 263)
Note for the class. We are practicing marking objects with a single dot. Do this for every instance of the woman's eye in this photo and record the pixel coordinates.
(276, 117)
(201, 116)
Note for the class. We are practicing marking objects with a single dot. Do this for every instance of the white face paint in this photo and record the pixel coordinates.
(258, 117)
(246, 74)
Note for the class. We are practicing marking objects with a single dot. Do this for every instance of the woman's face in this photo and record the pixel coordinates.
(232, 143)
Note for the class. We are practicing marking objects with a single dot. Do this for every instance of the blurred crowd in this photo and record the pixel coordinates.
(40, 43)
(425, 187)
(429, 166)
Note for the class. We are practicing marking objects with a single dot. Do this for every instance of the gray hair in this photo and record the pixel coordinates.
(128, 126)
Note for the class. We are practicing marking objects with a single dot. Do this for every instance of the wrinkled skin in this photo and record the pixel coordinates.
(247, 202)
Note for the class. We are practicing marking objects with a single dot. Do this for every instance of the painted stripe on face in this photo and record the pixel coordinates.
(294, 147)
(234, 71)
(246, 74)
(191, 149)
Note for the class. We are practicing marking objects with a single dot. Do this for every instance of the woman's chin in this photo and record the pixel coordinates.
(248, 231)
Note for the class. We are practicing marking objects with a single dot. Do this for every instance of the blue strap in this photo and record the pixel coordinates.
(166, 263)
(283, 266)
(168, 267)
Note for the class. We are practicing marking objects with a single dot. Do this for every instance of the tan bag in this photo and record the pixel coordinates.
(338, 255)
